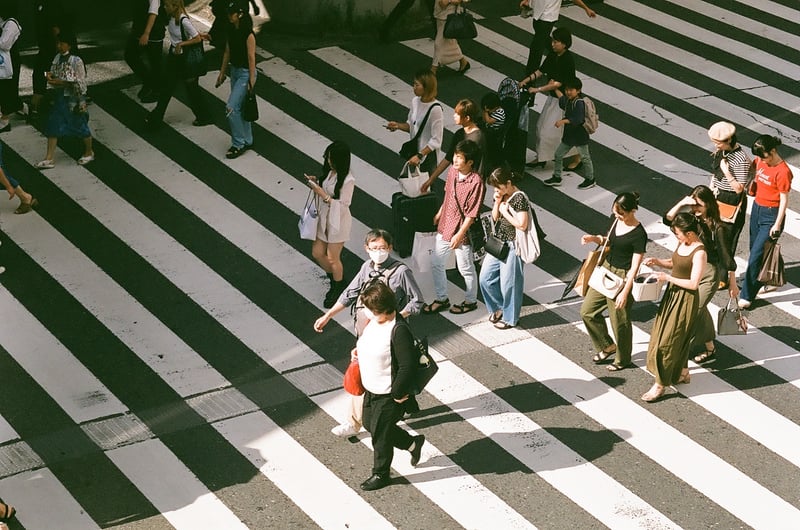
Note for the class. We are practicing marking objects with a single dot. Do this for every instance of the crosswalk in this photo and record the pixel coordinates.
(156, 342)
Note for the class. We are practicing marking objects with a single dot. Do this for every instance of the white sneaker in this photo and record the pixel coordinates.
(768, 288)
(345, 429)
(744, 304)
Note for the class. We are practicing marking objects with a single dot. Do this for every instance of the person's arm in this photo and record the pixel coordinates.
(403, 351)
(223, 67)
(415, 297)
(737, 186)
(189, 29)
(440, 168)
(776, 228)
(622, 297)
(530, 78)
(251, 61)
(148, 27)
(589, 12)
(675, 210)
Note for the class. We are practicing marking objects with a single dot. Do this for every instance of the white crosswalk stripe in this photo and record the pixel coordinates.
(157, 310)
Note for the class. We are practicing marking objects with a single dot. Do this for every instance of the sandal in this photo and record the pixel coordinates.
(436, 307)
(705, 356)
(603, 356)
(614, 367)
(26, 207)
(684, 378)
(495, 317)
(236, 152)
(503, 325)
(464, 307)
(7, 512)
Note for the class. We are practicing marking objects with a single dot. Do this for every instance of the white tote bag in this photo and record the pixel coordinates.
(526, 243)
(647, 287)
(309, 217)
(421, 252)
(411, 179)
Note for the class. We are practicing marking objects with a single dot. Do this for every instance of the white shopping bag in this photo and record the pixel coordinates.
(309, 218)
(411, 179)
(421, 252)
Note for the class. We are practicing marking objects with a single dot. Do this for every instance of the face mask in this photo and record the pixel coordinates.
(369, 315)
(378, 256)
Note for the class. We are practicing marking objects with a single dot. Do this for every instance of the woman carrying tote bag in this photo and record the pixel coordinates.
(501, 280)
(627, 241)
(446, 51)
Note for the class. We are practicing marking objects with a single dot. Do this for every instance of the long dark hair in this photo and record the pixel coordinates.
(339, 154)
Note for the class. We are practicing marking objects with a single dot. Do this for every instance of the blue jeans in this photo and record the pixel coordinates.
(241, 131)
(761, 220)
(466, 266)
(501, 284)
(586, 158)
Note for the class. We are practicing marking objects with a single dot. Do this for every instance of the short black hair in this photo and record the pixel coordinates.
(379, 233)
(470, 151)
(490, 101)
(573, 83)
(563, 35)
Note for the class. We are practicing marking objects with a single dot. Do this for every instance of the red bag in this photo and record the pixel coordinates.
(352, 379)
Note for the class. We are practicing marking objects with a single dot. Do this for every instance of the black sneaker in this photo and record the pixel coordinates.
(417, 452)
(553, 181)
(586, 184)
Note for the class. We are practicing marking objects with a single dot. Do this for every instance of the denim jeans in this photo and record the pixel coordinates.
(501, 284)
(586, 158)
(466, 266)
(761, 220)
(241, 131)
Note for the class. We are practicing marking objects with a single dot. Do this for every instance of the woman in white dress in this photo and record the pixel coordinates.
(333, 228)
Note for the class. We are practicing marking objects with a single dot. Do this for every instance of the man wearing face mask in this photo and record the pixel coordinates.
(379, 267)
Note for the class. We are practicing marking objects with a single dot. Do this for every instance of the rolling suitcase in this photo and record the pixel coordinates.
(410, 216)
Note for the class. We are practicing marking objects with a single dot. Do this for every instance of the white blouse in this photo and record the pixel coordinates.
(375, 356)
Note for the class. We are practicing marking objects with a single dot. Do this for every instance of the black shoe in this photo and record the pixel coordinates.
(375, 482)
(586, 184)
(535, 163)
(142, 92)
(333, 293)
(7, 128)
(201, 122)
(417, 451)
(553, 181)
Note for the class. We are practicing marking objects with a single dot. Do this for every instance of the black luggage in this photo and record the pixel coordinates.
(410, 216)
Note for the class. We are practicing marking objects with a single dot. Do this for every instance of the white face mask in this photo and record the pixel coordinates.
(369, 315)
(378, 256)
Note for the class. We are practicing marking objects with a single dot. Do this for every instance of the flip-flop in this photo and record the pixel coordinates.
(503, 325)
(614, 367)
(495, 317)
(440, 305)
(603, 356)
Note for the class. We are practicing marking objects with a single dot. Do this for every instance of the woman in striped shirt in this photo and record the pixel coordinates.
(730, 168)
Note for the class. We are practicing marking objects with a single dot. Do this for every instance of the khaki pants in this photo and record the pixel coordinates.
(594, 305)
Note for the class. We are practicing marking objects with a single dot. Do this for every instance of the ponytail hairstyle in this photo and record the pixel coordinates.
(764, 144)
(686, 222)
(627, 201)
(337, 158)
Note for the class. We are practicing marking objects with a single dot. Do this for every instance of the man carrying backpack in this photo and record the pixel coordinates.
(576, 133)
(379, 267)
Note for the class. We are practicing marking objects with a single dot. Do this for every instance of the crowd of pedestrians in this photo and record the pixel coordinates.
(385, 293)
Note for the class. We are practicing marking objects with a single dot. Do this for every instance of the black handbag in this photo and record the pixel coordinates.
(460, 25)
(250, 106)
(410, 148)
(426, 367)
(494, 245)
(194, 57)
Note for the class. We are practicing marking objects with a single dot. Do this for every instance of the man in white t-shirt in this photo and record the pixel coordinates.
(545, 15)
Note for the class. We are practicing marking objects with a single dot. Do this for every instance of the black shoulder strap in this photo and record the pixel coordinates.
(424, 121)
